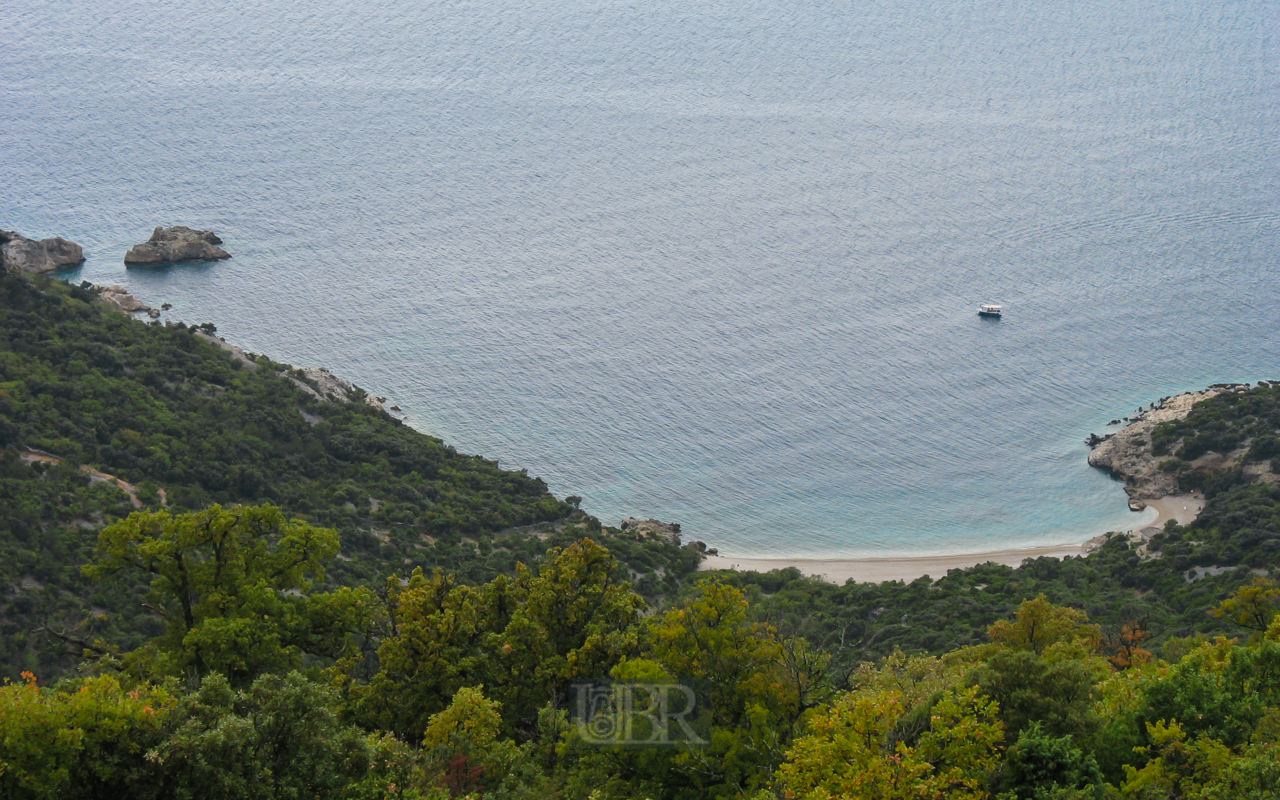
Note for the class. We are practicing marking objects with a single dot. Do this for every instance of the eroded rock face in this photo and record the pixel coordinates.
(19, 253)
(179, 243)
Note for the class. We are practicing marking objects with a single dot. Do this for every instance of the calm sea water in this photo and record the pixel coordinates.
(713, 262)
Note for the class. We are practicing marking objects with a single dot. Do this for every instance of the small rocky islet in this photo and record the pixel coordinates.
(21, 254)
(175, 244)
(166, 246)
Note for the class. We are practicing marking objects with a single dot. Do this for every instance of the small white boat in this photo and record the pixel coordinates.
(989, 310)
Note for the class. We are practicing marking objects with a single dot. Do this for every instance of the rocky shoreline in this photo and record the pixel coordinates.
(316, 381)
(1128, 455)
(180, 243)
(119, 298)
(665, 531)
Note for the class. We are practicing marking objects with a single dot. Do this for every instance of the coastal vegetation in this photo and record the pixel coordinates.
(101, 414)
(224, 578)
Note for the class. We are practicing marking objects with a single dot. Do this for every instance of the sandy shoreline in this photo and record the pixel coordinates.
(1183, 508)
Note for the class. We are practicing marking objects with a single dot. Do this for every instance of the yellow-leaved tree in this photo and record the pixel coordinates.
(851, 750)
(1252, 606)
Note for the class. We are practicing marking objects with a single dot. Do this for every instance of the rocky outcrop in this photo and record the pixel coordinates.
(328, 385)
(702, 549)
(179, 243)
(21, 254)
(324, 385)
(670, 531)
(1127, 453)
(119, 298)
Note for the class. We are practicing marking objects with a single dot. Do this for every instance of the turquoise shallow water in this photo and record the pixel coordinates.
(716, 263)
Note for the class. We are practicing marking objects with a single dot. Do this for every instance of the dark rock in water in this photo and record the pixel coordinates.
(179, 243)
(1094, 439)
(1114, 422)
(21, 254)
(166, 306)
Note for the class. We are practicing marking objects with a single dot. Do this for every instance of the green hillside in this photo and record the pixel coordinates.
(222, 577)
(187, 424)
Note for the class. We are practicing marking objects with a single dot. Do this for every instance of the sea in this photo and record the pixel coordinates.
(717, 262)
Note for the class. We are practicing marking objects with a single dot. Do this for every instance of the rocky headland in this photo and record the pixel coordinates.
(179, 243)
(1128, 453)
(21, 254)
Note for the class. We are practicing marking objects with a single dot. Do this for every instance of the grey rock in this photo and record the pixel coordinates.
(19, 253)
(119, 298)
(179, 243)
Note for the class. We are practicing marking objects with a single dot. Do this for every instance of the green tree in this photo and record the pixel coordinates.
(1045, 670)
(1178, 768)
(278, 739)
(1040, 624)
(462, 745)
(1218, 691)
(1252, 606)
(1059, 695)
(87, 739)
(750, 684)
(1038, 765)
(438, 646)
(526, 638)
(230, 585)
(572, 620)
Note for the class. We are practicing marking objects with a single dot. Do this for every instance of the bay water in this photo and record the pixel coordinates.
(716, 263)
